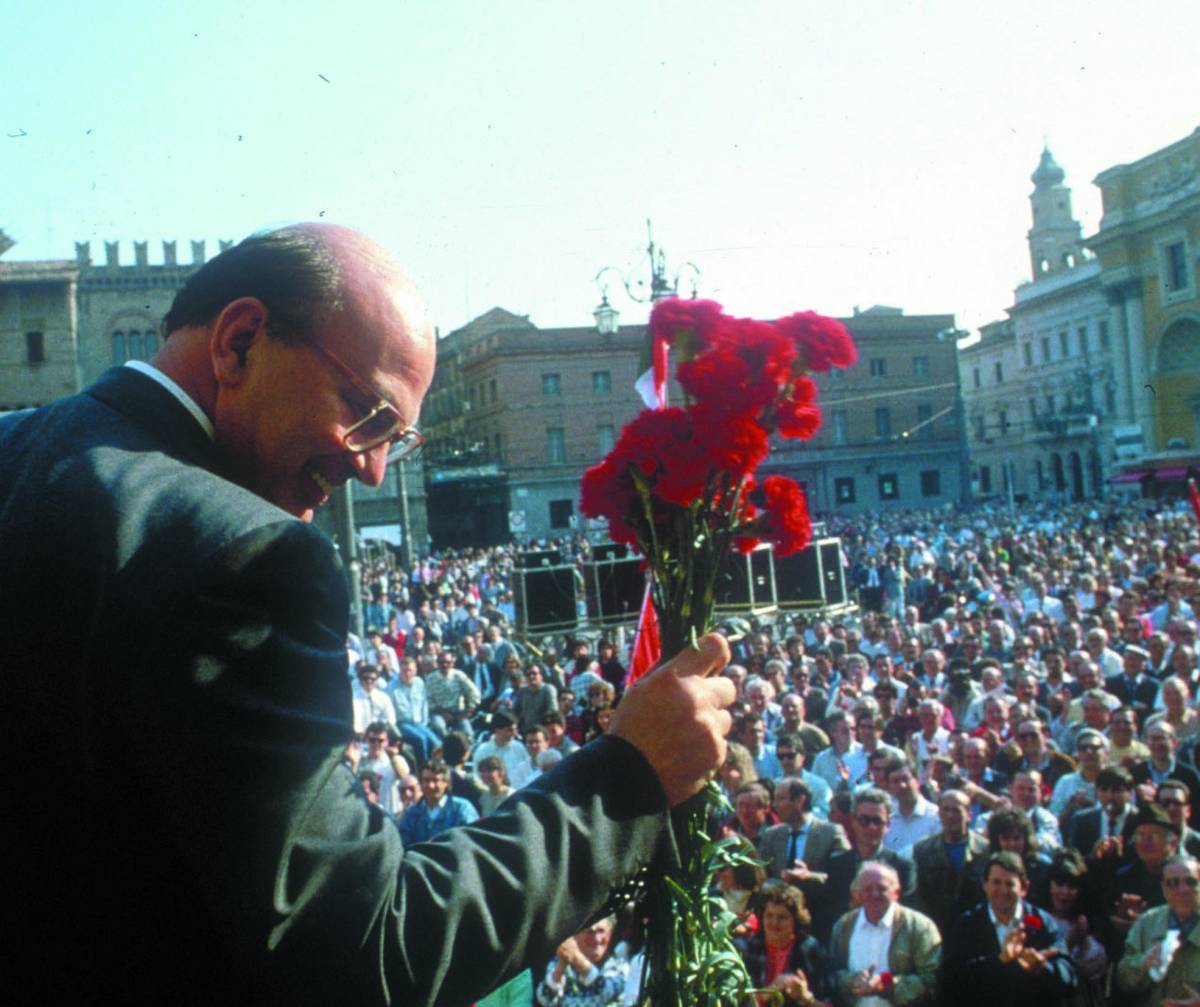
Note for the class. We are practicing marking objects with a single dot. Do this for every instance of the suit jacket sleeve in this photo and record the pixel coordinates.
(302, 884)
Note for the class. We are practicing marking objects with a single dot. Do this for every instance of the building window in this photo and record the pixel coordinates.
(1104, 341)
(1027, 353)
(1003, 421)
(889, 487)
(35, 347)
(1064, 343)
(1050, 404)
(499, 453)
(492, 390)
(556, 446)
(1175, 267)
(883, 423)
(551, 384)
(843, 490)
(149, 344)
(135, 345)
(1045, 349)
(878, 367)
(931, 483)
(1110, 399)
(119, 347)
(920, 367)
(1033, 409)
(605, 438)
(925, 422)
(1081, 332)
(985, 479)
(602, 382)
(976, 379)
(1041, 475)
(980, 427)
(999, 372)
(471, 397)
(561, 513)
(839, 426)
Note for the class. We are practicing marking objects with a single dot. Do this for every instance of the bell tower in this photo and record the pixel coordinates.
(1055, 239)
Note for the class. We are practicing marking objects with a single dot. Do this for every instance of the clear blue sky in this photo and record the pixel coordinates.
(802, 154)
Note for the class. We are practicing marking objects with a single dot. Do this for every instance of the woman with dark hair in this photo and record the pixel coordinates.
(782, 955)
(1010, 829)
(1060, 895)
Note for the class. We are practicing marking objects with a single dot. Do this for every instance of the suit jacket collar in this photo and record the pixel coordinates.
(148, 404)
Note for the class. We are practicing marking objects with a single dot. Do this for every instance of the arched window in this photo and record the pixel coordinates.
(118, 341)
(135, 346)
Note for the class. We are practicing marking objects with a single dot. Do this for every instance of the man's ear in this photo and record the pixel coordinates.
(240, 325)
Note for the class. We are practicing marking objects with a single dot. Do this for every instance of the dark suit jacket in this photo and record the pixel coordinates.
(822, 841)
(174, 651)
(835, 898)
(1140, 771)
(807, 956)
(976, 976)
(1140, 695)
(1084, 826)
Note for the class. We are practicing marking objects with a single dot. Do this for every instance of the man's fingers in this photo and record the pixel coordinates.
(710, 655)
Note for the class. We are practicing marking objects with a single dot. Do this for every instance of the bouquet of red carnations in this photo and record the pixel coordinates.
(680, 486)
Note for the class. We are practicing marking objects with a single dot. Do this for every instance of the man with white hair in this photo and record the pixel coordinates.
(932, 739)
(882, 952)
(1149, 968)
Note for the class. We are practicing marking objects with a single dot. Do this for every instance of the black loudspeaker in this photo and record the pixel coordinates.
(534, 558)
(609, 550)
(813, 577)
(747, 581)
(544, 598)
(615, 588)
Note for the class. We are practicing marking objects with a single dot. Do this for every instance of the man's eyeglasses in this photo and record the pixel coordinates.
(382, 423)
(1190, 882)
(867, 820)
(785, 756)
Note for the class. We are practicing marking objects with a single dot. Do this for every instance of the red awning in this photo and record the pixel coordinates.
(1164, 475)
(1129, 477)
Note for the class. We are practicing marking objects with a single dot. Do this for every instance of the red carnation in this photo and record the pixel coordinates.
(785, 521)
(887, 981)
(767, 350)
(673, 317)
(1032, 921)
(736, 444)
(824, 342)
(797, 420)
(725, 378)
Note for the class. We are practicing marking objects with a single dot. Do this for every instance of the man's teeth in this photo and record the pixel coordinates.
(326, 486)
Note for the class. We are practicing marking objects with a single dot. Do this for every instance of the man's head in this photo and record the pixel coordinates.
(1155, 838)
(1181, 886)
(504, 727)
(752, 804)
(368, 674)
(876, 887)
(535, 741)
(1092, 748)
(1173, 797)
(872, 814)
(954, 811)
(1005, 883)
(1026, 789)
(1113, 788)
(793, 798)
(435, 781)
(1161, 740)
(310, 351)
(789, 750)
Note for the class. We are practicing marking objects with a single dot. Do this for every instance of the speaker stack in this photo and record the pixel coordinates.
(545, 592)
(746, 582)
(615, 584)
(813, 578)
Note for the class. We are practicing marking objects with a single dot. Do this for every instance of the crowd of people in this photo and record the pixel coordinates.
(980, 785)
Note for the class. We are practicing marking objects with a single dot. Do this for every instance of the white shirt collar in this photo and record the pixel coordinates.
(188, 403)
(885, 921)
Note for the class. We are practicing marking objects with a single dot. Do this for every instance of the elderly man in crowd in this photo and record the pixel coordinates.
(1161, 960)
(882, 952)
(946, 881)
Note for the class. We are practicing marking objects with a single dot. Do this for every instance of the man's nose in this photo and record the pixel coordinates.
(370, 466)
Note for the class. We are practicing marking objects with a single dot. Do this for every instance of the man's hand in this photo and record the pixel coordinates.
(677, 717)
(1110, 846)
(796, 873)
(1014, 945)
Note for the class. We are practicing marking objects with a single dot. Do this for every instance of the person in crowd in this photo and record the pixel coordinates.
(1033, 752)
(536, 745)
(1102, 832)
(1160, 961)
(798, 849)
(1010, 829)
(556, 733)
(1131, 685)
(370, 702)
(1005, 950)
(412, 711)
(791, 753)
(783, 955)
(1136, 884)
(503, 744)
(1173, 797)
(915, 818)
(932, 739)
(843, 763)
(408, 790)
(494, 776)
(792, 712)
(868, 824)
(947, 884)
(463, 783)
(387, 765)
(584, 973)
(1124, 748)
(752, 811)
(1175, 697)
(1163, 765)
(1060, 893)
(453, 697)
(535, 701)
(1077, 790)
(881, 951)
(438, 810)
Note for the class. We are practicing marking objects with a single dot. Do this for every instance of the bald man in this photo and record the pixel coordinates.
(178, 628)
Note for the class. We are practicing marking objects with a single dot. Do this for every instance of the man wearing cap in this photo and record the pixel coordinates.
(1136, 885)
(1145, 973)
(503, 744)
